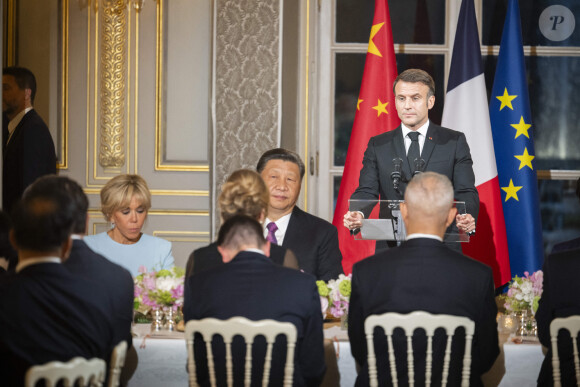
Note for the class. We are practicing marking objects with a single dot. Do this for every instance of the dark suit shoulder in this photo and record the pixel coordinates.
(33, 117)
(277, 254)
(310, 220)
(419, 249)
(386, 137)
(567, 245)
(203, 258)
(83, 260)
(563, 261)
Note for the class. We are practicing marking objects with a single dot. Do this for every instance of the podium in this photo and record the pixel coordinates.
(386, 224)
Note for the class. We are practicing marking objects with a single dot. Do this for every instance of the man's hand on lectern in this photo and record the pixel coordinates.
(353, 220)
(466, 223)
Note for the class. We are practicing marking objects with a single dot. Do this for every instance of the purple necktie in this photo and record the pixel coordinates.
(271, 232)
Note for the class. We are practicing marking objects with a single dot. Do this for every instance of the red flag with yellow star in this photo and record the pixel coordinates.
(375, 114)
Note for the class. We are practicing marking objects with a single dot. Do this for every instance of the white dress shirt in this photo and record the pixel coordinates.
(282, 225)
(15, 121)
(419, 235)
(422, 135)
(35, 261)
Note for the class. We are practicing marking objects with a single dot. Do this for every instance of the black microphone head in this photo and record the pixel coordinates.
(419, 165)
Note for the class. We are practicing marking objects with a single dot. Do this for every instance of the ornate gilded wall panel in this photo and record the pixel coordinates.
(113, 76)
(247, 82)
(113, 63)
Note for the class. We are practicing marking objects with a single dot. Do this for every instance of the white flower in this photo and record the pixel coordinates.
(167, 283)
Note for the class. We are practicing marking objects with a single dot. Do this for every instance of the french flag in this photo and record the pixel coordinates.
(466, 110)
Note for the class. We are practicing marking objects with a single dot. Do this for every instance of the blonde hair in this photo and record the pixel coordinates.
(119, 191)
(244, 193)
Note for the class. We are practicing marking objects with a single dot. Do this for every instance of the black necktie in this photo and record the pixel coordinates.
(413, 152)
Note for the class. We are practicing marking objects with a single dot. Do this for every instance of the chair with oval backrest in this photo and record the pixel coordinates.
(249, 330)
(409, 323)
(117, 363)
(572, 324)
(86, 372)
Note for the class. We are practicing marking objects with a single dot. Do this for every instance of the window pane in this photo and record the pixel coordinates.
(553, 86)
(349, 70)
(434, 65)
(336, 188)
(560, 211)
(412, 21)
(556, 24)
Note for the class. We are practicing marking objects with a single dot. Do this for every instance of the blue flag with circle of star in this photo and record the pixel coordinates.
(511, 125)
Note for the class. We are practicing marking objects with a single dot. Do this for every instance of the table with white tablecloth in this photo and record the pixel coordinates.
(162, 359)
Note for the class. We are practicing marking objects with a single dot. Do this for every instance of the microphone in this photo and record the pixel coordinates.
(419, 166)
(396, 174)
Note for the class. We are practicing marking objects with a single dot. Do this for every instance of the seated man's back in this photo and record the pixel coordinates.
(560, 299)
(85, 263)
(48, 314)
(251, 286)
(424, 274)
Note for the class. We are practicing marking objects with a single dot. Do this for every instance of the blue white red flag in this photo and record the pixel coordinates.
(466, 110)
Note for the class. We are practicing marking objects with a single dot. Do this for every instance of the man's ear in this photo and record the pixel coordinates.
(28, 95)
(266, 248)
(451, 216)
(87, 225)
(226, 254)
(404, 211)
(430, 102)
(262, 217)
(13, 240)
(65, 249)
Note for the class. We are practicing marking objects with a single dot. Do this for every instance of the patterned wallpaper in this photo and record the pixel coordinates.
(247, 81)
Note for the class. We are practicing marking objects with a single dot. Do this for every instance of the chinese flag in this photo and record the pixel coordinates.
(375, 114)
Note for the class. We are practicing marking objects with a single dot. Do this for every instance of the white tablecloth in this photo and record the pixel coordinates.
(162, 361)
(522, 364)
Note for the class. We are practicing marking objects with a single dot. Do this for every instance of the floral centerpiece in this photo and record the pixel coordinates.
(157, 290)
(524, 292)
(335, 295)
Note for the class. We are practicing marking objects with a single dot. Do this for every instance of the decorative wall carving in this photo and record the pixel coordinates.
(247, 83)
(112, 81)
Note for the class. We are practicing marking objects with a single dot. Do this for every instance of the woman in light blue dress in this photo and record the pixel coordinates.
(125, 201)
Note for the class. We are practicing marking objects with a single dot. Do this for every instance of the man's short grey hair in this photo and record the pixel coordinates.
(429, 194)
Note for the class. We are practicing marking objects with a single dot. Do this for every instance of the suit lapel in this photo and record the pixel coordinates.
(293, 226)
(429, 145)
(12, 138)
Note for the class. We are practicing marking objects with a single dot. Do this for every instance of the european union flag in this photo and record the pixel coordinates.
(511, 124)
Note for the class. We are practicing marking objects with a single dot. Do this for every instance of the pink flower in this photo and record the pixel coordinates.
(149, 283)
(177, 292)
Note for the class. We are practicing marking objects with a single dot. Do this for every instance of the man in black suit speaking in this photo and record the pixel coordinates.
(424, 274)
(314, 241)
(28, 149)
(417, 145)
